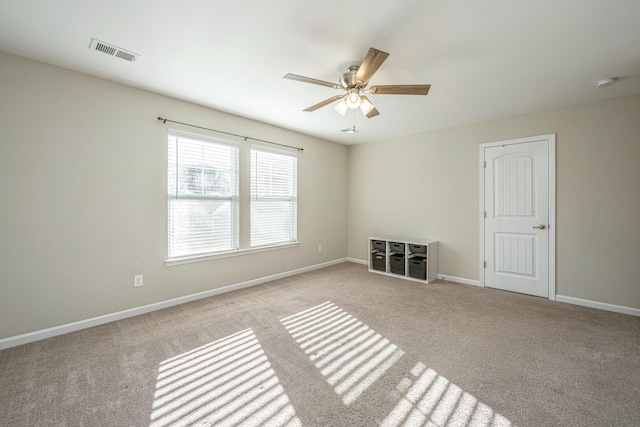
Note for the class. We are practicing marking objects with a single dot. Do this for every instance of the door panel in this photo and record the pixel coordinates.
(516, 182)
(514, 186)
(515, 254)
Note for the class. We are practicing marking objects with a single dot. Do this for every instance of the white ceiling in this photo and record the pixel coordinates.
(485, 59)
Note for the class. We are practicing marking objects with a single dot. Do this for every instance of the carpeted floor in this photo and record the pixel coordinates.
(336, 347)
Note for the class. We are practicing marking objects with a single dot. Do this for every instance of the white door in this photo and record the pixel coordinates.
(518, 215)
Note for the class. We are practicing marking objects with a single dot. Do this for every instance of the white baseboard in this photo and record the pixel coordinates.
(100, 320)
(599, 305)
(559, 298)
(459, 280)
(440, 276)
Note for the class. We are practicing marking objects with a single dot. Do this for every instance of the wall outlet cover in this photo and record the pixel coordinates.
(137, 280)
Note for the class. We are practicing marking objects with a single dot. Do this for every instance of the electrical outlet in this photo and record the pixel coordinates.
(319, 248)
(137, 280)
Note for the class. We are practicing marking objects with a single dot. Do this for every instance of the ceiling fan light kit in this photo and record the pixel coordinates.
(366, 106)
(354, 82)
(353, 99)
(341, 107)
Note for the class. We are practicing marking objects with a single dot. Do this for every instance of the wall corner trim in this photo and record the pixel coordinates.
(111, 317)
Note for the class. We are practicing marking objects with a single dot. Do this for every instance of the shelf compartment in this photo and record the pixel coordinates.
(396, 264)
(379, 245)
(378, 261)
(418, 268)
(417, 249)
(397, 247)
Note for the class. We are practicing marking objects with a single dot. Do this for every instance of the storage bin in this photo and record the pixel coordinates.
(417, 249)
(396, 264)
(396, 247)
(418, 268)
(378, 261)
(380, 245)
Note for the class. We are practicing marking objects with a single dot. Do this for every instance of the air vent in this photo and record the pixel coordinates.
(112, 50)
(349, 130)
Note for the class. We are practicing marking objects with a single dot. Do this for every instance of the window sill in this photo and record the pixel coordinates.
(227, 254)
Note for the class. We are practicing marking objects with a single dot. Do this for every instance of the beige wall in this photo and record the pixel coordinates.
(427, 186)
(83, 193)
(83, 203)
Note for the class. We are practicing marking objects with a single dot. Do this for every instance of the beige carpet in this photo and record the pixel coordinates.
(336, 347)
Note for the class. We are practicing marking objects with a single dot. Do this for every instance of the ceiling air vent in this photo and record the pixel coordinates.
(112, 50)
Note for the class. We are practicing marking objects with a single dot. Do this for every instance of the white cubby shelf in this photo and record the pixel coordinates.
(405, 257)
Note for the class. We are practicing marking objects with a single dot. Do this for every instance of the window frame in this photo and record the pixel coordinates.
(292, 199)
(233, 198)
(242, 197)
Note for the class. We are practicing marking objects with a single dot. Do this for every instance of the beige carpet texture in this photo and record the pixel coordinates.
(336, 347)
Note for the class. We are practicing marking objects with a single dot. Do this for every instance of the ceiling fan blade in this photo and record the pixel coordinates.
(371, 112)
(312, 81)
(400, 89)
(374, 112)
(370, 65)
(325, 102)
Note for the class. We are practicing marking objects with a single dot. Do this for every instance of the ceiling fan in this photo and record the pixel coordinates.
(354, 82)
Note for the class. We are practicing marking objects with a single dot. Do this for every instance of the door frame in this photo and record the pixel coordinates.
(551, 140)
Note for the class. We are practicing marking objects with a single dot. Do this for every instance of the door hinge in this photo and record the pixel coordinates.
(485, 264)
(485, 165)
(485, 214)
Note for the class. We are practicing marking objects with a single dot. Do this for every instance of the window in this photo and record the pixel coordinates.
(202, 195)
(205, 198)
(273, 197)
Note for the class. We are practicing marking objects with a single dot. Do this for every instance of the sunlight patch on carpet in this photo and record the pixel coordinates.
(228, 382)
(429, 399)
(349, 354)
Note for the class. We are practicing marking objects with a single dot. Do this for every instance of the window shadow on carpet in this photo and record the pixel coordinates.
(351, 357)
(229, 382)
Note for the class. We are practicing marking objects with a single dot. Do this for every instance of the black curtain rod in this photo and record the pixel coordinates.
(232, 134)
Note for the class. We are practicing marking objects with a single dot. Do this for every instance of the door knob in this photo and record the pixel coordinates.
(541, 226)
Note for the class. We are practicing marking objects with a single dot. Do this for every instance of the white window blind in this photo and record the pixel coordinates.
(273, 197)
(202, 195)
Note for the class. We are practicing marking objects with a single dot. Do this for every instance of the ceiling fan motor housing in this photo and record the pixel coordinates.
(348, 78)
